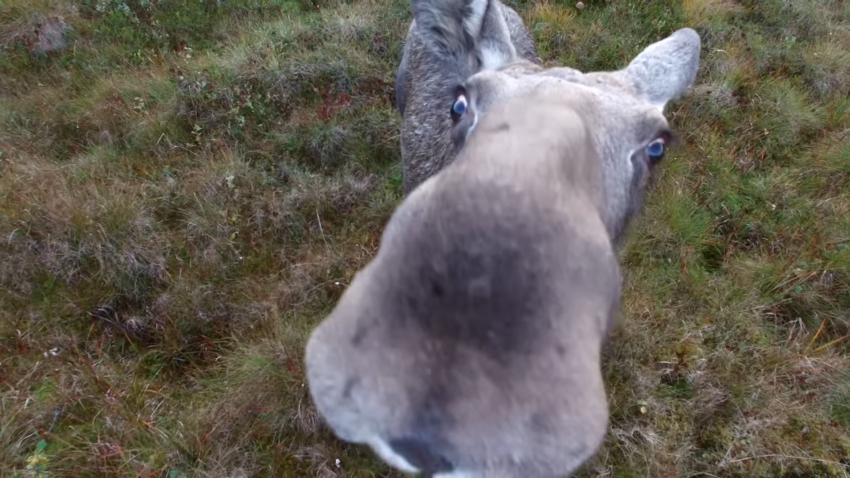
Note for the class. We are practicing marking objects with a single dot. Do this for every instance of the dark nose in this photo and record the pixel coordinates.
(421, 454)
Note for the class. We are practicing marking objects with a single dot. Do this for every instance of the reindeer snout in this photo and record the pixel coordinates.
(422, 455)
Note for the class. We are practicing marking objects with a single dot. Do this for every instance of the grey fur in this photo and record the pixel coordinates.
(433, 65)
(428, 78)
(661, 73)
(471, 342)
(470, 345)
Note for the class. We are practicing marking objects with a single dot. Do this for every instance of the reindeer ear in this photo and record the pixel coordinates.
(441, 24)
(664, 70)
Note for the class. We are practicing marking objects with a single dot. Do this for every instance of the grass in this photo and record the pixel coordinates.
(187, 187)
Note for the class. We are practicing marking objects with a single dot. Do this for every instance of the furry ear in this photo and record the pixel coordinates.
(664, 70)
(441, 23)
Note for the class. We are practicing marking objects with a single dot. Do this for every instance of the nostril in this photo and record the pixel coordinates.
(419, 454)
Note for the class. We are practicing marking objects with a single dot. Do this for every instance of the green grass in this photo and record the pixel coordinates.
(187, 187)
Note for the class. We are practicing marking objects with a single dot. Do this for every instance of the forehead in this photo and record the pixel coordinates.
(525, 75)
(602, 99)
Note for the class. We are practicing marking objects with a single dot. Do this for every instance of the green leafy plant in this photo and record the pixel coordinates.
(38, 460)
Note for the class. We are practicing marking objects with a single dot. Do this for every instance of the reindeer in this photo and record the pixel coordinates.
(428, 74)
(470, 345)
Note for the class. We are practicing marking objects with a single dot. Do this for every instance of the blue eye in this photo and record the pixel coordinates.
(655, 150)
(459, 107)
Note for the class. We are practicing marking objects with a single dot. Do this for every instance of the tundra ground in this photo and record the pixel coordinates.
(187, 187)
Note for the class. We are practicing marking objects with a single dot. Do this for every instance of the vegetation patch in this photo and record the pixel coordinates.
(186, 188)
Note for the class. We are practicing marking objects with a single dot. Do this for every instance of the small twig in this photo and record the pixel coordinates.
(817, 334)
(367, 251)
(322, 232)
(57, 413)
(831, 343)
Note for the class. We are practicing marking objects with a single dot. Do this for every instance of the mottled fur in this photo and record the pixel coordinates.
(470, 345)
(659, 74)
(432, 65)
